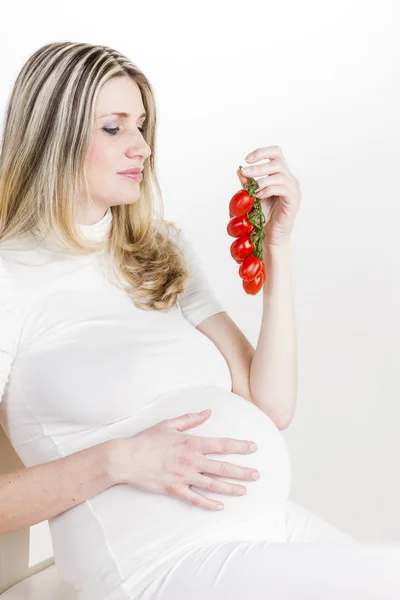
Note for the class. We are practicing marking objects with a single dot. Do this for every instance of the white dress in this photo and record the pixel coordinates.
(81, 364)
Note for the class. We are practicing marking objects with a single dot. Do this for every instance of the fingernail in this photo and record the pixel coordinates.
(253, 447)
(255, 476)
(249, 157)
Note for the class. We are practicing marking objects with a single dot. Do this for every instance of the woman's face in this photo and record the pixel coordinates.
(118, 145)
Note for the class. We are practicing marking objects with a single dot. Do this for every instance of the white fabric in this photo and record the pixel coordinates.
(81, 364)
(317, 561)
(301, 557)
(260, 570)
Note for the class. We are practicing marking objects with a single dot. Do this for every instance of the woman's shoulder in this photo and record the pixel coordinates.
(16, 279)
(175, 231)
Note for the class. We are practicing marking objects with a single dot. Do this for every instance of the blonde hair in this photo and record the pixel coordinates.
(47, 134)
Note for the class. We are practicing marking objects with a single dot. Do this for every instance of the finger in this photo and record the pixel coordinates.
(242, 178)
(274, 190)
(270, 152)
(270, 168)
(224, 469)
(186, 421)
(209, 445)
(217, 486)
(264, 182)
(196, 499)
(285, 192)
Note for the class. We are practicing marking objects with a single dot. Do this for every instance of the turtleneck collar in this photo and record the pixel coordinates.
(99, 230)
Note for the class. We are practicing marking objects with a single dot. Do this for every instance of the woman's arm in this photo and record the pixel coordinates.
(34, 494)
(273, 370)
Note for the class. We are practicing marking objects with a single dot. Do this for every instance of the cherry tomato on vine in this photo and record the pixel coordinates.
(242, 247)
(250, 267)
(239, 226)
(241, 203)
(253, 287)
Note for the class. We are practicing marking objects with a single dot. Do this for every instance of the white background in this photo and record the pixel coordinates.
(321, 80)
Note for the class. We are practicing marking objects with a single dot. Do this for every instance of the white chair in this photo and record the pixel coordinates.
(45, 585)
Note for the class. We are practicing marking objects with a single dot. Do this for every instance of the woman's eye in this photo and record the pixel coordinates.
(113, 130)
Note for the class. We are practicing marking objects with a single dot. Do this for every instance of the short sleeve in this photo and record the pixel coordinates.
(10, 323)
(198, 301)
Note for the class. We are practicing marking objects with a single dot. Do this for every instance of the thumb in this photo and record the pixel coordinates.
(189, 420)
(242, 178)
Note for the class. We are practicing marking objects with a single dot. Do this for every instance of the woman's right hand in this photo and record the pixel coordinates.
(164, 460)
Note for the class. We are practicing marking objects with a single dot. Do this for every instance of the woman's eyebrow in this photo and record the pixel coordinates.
(122, 114)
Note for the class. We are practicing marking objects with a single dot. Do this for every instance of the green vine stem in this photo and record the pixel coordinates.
(256, 217)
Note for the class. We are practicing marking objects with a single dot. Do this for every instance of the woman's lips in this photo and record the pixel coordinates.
(133, 176)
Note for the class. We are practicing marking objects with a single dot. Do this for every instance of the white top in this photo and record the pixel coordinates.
(81, 364)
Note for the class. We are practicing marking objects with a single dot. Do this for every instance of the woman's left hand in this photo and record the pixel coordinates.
(278, 190)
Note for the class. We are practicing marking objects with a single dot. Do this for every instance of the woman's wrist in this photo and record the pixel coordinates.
(108, 457)
(116, 460)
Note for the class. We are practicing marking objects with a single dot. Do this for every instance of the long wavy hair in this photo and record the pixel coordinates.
(47, 134)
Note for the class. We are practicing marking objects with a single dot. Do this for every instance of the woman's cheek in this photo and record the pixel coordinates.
(94, 156)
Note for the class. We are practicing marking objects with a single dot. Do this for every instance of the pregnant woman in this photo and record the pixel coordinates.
(105, 367)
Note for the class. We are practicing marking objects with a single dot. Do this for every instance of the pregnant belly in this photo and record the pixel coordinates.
(142, 527)
(234, 417)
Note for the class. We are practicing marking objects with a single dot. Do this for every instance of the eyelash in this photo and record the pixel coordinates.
(113, 130)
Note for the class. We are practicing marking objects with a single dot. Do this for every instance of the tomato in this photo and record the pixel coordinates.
(264, 271)
(254, 286)
(250, 267)
(239, 226)
(242, 247)
(241, 203)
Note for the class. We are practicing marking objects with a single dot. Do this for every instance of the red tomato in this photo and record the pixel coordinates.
(239, 226)
(250, 267)
(241, 203)
(254, 286)
(264, 271)
(242, 247)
